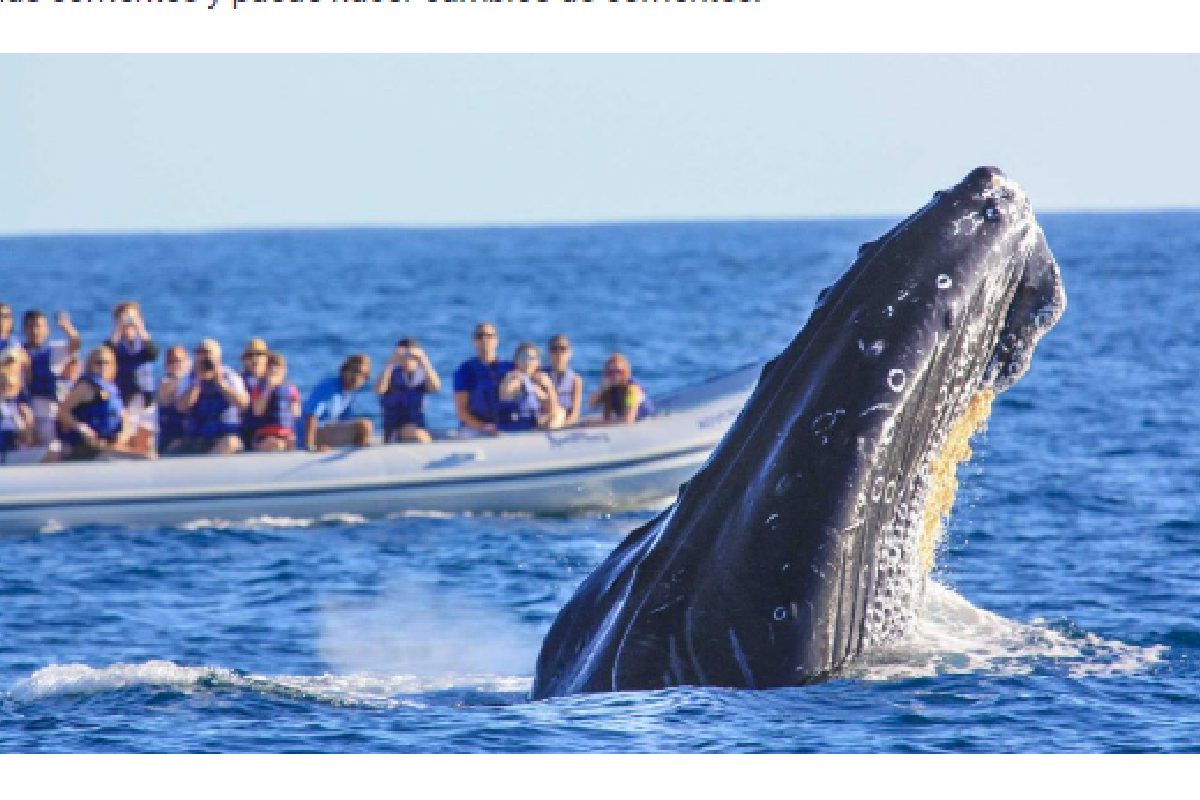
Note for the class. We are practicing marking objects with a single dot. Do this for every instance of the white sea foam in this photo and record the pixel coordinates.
(952, 636)
(269, 522)
(361, 689)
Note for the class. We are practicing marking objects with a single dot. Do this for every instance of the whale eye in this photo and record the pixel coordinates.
(991, 211)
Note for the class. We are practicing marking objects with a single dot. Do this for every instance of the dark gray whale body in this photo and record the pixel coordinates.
(805, 538)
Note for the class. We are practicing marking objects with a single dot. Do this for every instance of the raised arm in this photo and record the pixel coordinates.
(74, 343)
(510, 386)
(232, 390)
(384, 381)
(432, 382)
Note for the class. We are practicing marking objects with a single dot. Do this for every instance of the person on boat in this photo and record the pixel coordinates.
(622, 399)
(254, 375)
(91, 418)
(527, 397)
(276, 409)
(12, 363)
(568, 384)
(49, 368)
(330, 417)
(213, 397)
(17, 426)
(402, 385)
(8, 340)
(136, 354)
(172, 423)
(477, 385)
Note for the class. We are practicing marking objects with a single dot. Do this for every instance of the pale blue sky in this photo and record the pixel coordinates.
(184, 142)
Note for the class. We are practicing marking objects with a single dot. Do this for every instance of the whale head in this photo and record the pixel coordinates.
(807, 537)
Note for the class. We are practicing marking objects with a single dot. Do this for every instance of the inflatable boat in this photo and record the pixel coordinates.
(578, 469)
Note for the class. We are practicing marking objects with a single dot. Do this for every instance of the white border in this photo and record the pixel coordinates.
(602, 26)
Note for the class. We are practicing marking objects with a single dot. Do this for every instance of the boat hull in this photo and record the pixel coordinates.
(607, 468)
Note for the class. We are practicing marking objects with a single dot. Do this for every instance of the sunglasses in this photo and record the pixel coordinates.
(99, 362)
(614, 371)
(254, 355)
(559, 348)
(486, 335)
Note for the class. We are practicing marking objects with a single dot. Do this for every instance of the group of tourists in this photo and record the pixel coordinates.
(111, 404)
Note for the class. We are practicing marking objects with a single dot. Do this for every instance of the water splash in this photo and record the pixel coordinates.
(417, 628)
(952, 636)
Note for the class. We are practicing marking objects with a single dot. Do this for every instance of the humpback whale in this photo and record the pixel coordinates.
(808, 536)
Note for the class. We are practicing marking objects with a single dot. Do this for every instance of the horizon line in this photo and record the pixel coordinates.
(286, 227)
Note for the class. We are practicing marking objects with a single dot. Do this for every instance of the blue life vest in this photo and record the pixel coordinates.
(43, 382)
(250, 422)
(279, 413)
(564, 386)
(484, 399)
(213, 416)
(403, 404)
(172, 425)
(135, 369)
(102, 413)
(11, 424)
(520, 413)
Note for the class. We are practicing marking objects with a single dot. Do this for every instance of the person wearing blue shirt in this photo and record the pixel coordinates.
(477, 385)
(403, 383)
(329, 417)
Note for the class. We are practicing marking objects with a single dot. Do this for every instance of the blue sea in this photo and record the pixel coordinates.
(1061, 616)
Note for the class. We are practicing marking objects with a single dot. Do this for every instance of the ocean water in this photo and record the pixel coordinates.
(1061, 616)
